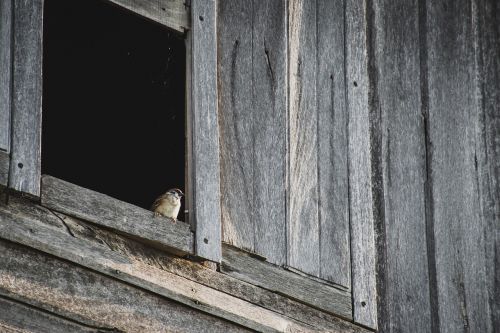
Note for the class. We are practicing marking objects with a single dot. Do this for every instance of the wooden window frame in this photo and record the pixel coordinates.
(21, 30)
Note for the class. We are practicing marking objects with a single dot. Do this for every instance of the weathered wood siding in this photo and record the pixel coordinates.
(284, 169)
(435, 78)
(252, 106)
(25, 166)
(5, 73)
(391, 142)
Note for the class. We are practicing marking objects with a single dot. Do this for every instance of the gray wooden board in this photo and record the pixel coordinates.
(26, 115)
(188, 269)
(25, 229)
(61, 287)
(303, 223)
(488, 143)
(252, 104)
(205, 134)
(171, 13)
(334, 256)
(360, 167)
(269, 90)
(458, 227)
(236, 121)
(4, 168)
(5, 72)
(19, 317)
(402, 263)
(117, 215)
(260, 273)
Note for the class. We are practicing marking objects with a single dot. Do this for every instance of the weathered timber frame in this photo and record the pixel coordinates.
(21, 31)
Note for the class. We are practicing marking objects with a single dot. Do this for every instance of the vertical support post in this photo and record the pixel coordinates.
(205, 133)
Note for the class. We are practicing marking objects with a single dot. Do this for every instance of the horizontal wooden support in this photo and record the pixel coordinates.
(17, 317)
(112, 213)
(24, 229)
(171, 13)
(243, 266)
(66, 290)
(200, 274)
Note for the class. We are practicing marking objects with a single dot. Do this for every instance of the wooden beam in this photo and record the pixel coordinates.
(205, 168)
(403, 270)
(303, 214)
(5, 72)
(170, 13)
(334, 234)
(4, 168)
(115, 214)
(26, 115)
(243, 266)
(193, 271)
(88, 297)
(23, 229)
(361, 154)
(20, 317)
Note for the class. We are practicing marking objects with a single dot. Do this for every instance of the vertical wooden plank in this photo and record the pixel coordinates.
(269, 60)
(4, 168)
(252, 104)
(205, 130)
(303, 224)
(24, 173)
(335, 261)
(488, 146)
(5, 73)
(236, 122)
(458, 227)
(404, 303)
(360, 166)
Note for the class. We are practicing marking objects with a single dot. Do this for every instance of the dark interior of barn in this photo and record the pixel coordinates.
(113, 101)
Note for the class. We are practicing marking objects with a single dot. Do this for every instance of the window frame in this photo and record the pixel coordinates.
(22, 21)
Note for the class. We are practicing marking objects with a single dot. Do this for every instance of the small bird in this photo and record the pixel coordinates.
(168, 204)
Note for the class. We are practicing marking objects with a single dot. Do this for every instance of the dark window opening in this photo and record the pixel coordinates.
(113, 101)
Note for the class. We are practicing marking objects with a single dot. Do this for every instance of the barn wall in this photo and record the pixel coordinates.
(435, 78)
(283, 130)
(432, 134)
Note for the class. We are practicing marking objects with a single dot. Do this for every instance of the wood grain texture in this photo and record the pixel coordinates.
(252, 104)
(335, 260)
(269, 63)
(303, 222)
(5, 72)
(18, 317)
(25, 229)
(402, 266)
(26, 114)
(88, 296)
(361, 186)
(171, 13)
(236, 122)
(115, 214)
(458, 229)
(260, 273)
(136, 251)
(4, 168)
(205, 133)
(488, 146)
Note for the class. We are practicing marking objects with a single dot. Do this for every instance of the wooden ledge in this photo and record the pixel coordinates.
(133, 262)
(117, 215)
(246, 267)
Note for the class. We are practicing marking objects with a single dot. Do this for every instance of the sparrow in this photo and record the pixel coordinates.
(168, 204)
